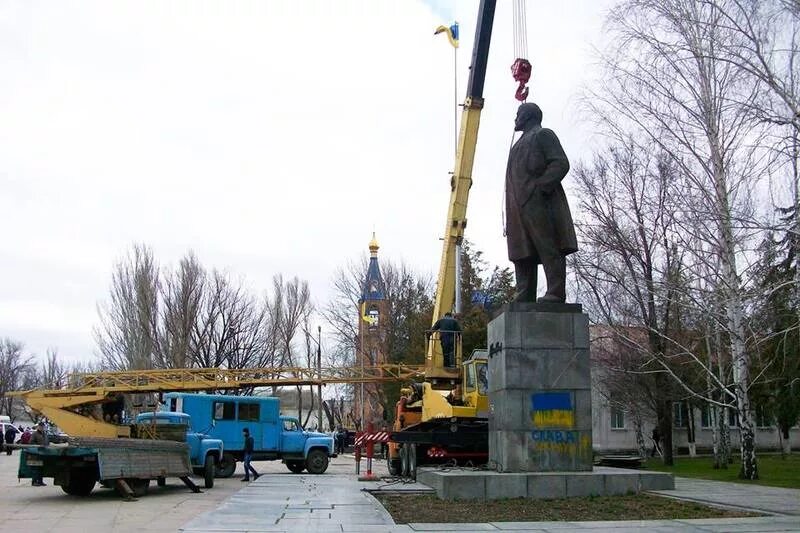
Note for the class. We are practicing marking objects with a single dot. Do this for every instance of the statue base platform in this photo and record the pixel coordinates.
(458, 484)
(540, 403)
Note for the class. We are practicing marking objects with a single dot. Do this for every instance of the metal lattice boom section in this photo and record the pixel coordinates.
(70, 407)
(183, 379)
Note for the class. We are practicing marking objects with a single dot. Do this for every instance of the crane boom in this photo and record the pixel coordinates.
(462, 180)
(63, 406)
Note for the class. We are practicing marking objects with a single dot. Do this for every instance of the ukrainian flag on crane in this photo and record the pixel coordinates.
(452, 33)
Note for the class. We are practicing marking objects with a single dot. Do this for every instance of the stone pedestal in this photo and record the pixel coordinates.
(540, 404)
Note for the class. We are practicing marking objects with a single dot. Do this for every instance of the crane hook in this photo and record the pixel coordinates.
(521, 71)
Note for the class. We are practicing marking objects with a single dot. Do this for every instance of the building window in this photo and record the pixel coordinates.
(224, 411)
(763, 417)
(733, 418)
(680, 415)
(249, 412)
(706, 416)
(617, 418)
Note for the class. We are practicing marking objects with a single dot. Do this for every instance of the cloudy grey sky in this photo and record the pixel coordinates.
(269, 137)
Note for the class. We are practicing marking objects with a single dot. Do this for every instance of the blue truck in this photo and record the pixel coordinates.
(164, 446)
(205, 452)
(276, 437)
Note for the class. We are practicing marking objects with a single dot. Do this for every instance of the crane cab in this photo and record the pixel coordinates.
(475, 388)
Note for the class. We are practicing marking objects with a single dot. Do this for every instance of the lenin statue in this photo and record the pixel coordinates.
(539, 226)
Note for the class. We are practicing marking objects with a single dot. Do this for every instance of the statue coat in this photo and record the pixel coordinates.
(537, 212)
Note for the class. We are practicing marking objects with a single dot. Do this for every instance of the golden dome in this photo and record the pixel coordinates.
(373, 245)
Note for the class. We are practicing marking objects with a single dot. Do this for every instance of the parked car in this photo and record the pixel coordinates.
(56, 436)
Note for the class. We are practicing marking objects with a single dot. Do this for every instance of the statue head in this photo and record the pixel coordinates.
(528, 115)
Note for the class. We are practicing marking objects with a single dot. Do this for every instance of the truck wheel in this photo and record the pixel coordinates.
(208, 472)
(227, 465)
(79, 485)
(317, 462)
(295, 467)
(412, 461)
(393, 465)
(404, 460)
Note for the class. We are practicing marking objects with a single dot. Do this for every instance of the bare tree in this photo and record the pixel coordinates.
(664, 79)
(625, 269)
(233, 329)
(14, 365)
(54, 372)
(127, 335)
(181, 297)
(293, 308)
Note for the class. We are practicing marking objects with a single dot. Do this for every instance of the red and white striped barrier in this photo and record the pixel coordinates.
(380, 436)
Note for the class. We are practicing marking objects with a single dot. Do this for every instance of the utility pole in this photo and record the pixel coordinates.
(319, 375)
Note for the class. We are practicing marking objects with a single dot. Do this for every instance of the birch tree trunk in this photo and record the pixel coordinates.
(637, 427)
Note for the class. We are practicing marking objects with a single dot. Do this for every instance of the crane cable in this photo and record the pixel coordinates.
(521, 68)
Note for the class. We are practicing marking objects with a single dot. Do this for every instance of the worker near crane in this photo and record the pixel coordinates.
(39, 438)
(249, 446)
(448, 327)
(539, 227)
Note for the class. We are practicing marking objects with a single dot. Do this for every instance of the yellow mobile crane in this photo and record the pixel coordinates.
(71, 408)
(100, 448)
(445, 416)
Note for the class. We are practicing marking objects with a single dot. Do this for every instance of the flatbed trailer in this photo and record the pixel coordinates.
(127, 465)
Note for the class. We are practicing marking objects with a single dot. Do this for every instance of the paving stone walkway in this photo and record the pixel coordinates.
(773, 500)
(336, 502)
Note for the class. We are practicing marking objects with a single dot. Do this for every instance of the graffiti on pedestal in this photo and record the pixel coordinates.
(553, 417)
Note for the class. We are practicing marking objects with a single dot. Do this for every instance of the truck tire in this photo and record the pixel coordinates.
(296, 467)
(227, 465)
(412, 461)
(393, 465)
(79, 485)
(208, 472)
(317, 462)
(404, 460)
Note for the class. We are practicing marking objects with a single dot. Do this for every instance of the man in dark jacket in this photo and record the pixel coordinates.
(249, 445)
(11, 434)
(39, 438)
(448, 327)
(539, 226)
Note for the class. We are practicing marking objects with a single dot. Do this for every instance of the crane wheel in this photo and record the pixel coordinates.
(393, 465)
(412, 461)
(404, 460)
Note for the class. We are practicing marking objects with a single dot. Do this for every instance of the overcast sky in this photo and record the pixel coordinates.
(269, 137)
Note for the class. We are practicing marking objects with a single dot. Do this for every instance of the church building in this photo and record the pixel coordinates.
(371, 341)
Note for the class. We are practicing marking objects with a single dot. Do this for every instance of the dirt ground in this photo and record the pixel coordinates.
(429, 508)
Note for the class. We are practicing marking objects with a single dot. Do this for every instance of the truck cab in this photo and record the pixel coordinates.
(304, 450)
(205, 453)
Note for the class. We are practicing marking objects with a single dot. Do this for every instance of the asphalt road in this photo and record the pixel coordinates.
(44, 509)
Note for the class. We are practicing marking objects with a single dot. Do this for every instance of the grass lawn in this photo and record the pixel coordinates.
(773, 470)
(406, 508)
